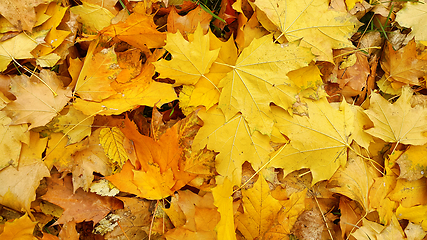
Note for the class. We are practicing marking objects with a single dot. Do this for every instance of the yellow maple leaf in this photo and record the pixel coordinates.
(59, 154)
(111, 140)
(98, 72)
(206, 92)
(354, 180)
(409, 193)
(361, 122)
(20, 229)
(378, 195)
(74, 124)
(311, 21)
(398, 122)
(190, 60)
(55, 12)
(258, 79)
(224, 201)
(415, 214)
(413, 15)
(288, 214)
(18, 188)
(19, 47)
(234, 142)
(260, 210)
(11, 141)
(35, 103)
(52, 41)
(318, 142)
(93, 17)
(306, 77)
(413, 163)
(154, 184)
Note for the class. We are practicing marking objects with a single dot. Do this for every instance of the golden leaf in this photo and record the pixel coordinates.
(318, 27)
(398, 122)
(258, 79)
(111, 140)
(318, 142)
(260, 210)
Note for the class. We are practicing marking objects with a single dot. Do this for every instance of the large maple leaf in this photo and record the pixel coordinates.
(35, 102)
(234, 142)
(190, 60)
(258, 79)
(319, 141)
(319, 28)
(398, 122)
(414, 16)
(260, 210)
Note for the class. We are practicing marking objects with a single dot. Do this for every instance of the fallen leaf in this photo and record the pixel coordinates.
(35, 102)
(112, 140)
(351, 213)
(368, 230)
(98, 72)
(11, 9)
(206, 92)
(413, 16)
(59, 154)
(141, 90)
(69, 231)
(409, 193)
(287, 216)
(18, 188)
(258, 79)
(354, 180)
(320, 28)
(138, 30)
(403, 65)
(135, 219)
(260, 210)
(413, 163)
(93, 17)
(11, 142)
(224, 201)
(79, 206)
(414, 231)
(74, 124)
(89, 160)
(319, 141)
(19, 47)
(397, 122)
(234, 142)
(154, 184)
(188, 23)
(187, 66)
(124, 179)
(20, 229)
(200, 215)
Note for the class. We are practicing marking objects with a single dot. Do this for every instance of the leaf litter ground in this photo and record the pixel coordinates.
(260, 120)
